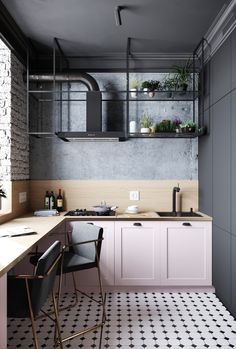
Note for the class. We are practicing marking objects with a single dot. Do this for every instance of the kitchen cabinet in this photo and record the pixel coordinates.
(149, 253)
(221, 163)
(137, 250)
(186, 253)
(222, 264)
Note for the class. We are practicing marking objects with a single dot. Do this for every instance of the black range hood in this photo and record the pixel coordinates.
(91, 136)
(93, 124)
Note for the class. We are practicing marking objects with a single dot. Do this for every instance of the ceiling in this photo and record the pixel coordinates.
(87, 27)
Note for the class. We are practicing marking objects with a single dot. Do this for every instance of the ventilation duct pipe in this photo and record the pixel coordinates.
(84, 78)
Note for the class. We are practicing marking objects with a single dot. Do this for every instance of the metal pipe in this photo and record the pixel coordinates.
(84, 78)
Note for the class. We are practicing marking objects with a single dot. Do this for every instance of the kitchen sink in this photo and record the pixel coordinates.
(179, 214)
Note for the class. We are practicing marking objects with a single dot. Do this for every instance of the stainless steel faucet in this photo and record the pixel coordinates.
(175, 190)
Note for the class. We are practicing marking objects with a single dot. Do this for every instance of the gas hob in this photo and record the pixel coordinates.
(83, 212)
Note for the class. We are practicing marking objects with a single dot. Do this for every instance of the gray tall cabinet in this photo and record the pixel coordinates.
(217, 167)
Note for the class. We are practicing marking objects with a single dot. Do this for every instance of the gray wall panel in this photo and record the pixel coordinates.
(221, 264)
(233, 43)
(207, 72)
(221, 163)
(205, 168)
(233, 267)
(223, 130)
(233, 162)
(221, 72)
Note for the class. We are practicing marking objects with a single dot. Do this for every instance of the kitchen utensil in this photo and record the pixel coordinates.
(104, 208)
(132, 209)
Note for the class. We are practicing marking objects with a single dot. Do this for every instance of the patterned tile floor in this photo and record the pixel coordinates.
(138, 320)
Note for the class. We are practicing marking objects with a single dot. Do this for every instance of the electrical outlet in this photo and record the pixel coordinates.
(134, 195)
(22, 197)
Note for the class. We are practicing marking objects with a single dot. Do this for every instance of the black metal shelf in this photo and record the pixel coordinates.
(192, 96)
(168, 135)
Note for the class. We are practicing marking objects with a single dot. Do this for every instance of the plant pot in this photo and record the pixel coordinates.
(133, 92)
(169, 94)
(145, 130)
(183, 88)
(151, 94)
(188, 129)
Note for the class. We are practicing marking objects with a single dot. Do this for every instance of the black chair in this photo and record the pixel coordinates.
(83, 252)
(28, 293)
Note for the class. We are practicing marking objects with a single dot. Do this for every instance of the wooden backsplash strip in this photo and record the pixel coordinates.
(154, 195)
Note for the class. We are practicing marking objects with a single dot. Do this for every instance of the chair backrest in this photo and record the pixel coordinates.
(41, 288)
(85, 232)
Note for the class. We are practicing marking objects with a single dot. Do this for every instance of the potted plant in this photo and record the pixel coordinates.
(150, 86)
(182, 75)
(176, 125)
(145, 123)
(164, 126)
(188, 127)
(134, 86)
(169, 85)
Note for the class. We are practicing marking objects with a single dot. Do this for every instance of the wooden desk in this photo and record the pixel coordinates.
(14, 249)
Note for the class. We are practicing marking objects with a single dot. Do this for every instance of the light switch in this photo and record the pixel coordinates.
(22, 197)
(134, 195)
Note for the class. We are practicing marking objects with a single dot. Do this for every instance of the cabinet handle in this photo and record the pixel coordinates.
(137, 224)
(187, 224)
(90, 223)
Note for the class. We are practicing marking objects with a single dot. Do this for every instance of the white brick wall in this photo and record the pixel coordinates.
(19, 136)
(5, 113)
(14, 140)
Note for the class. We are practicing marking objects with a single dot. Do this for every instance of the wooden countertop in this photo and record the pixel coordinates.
(13, 249)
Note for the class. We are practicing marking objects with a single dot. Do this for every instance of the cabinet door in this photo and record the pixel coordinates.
(186, 253)
(137, 251)
(89, 277)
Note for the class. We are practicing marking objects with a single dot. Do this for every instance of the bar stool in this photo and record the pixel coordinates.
(27, 294)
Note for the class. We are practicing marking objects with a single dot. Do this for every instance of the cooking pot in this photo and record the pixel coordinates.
(103, 208)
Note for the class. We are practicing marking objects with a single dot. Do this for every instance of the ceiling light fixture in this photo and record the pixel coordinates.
(117, 15)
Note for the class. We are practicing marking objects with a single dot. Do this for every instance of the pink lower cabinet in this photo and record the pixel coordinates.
(186, 253)
(137, 251)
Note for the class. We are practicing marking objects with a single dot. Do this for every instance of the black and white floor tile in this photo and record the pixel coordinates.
(138, 320)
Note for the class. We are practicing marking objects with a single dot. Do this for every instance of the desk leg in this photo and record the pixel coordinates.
(3, 312)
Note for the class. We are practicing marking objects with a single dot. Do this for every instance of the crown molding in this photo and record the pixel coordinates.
(221, 28)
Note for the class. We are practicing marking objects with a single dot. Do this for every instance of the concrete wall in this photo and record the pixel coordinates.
(134, 159)
(217, 167)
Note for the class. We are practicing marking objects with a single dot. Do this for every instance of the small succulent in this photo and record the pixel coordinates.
(2, 192)
(169, 84)
(151, 85)
(188, 126)
(164, 126)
